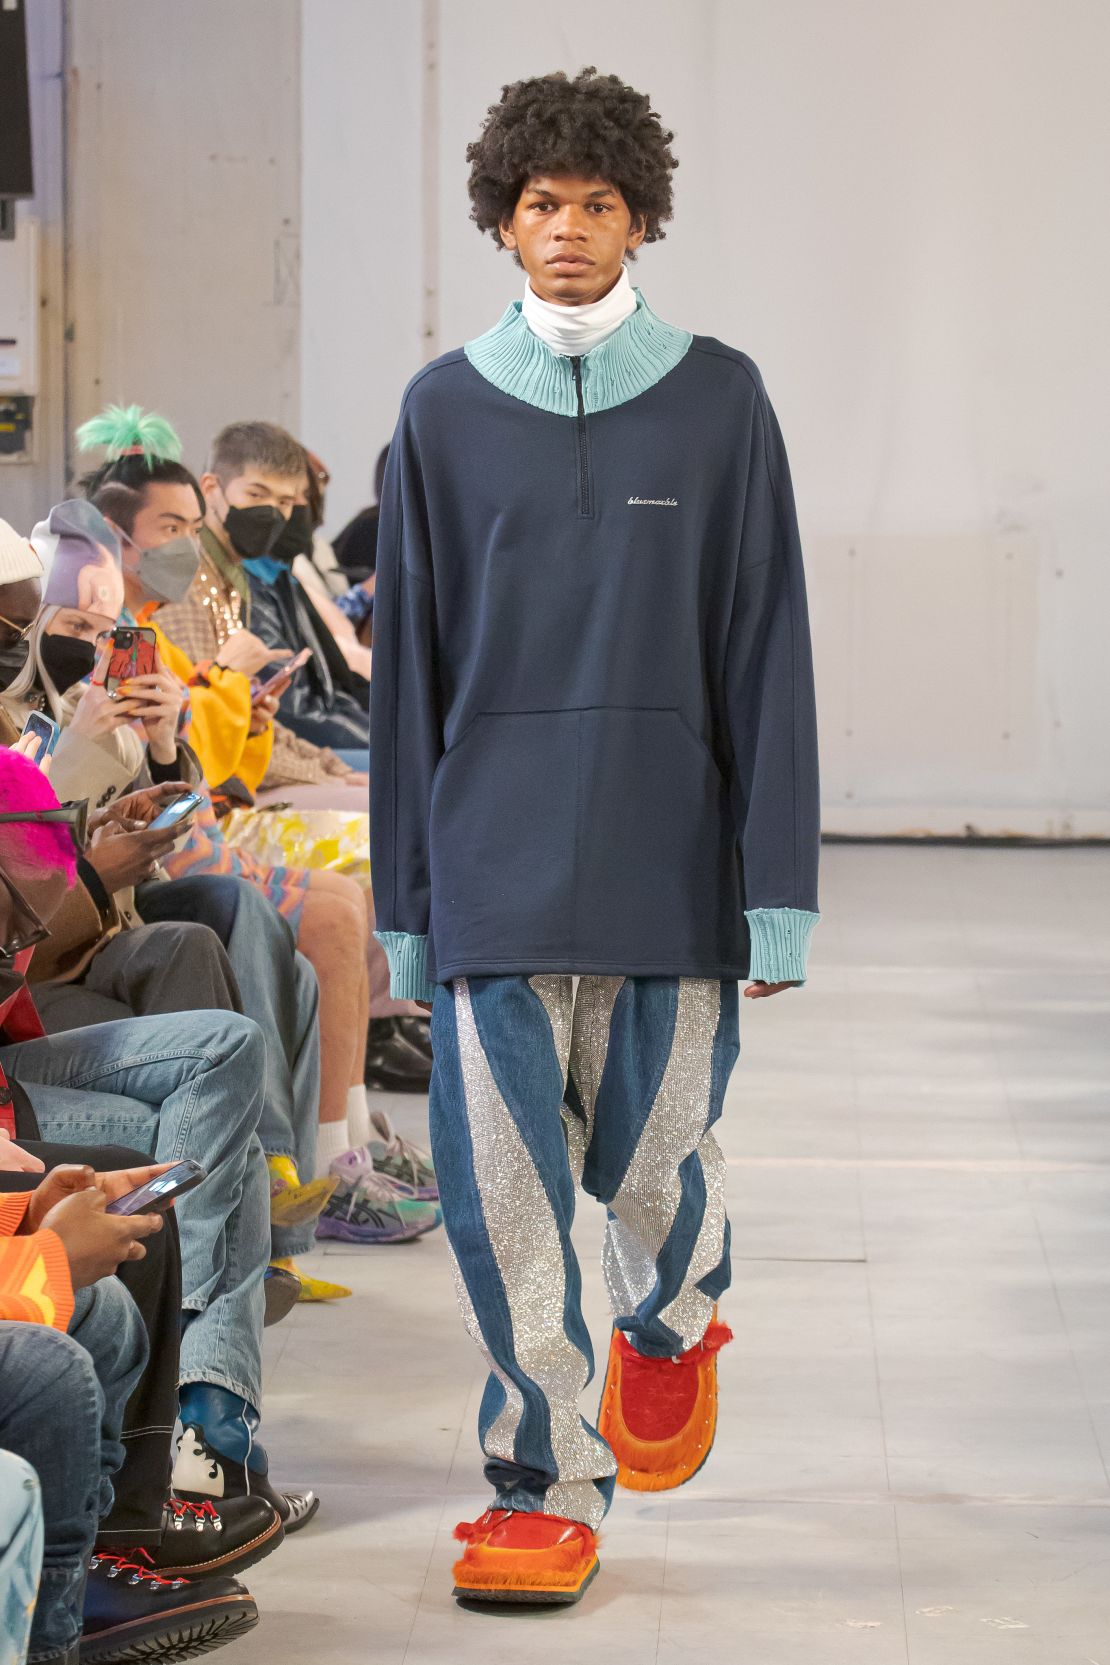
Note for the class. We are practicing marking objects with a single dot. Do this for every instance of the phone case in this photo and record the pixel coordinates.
(121, 663)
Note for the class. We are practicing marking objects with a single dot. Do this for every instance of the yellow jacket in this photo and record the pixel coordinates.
(221, 718)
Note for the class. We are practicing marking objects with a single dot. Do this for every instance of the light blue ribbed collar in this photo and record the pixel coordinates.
(628, 362)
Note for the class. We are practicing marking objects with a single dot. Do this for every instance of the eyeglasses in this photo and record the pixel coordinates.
(27, 929)
(22, 631)
(74, 816)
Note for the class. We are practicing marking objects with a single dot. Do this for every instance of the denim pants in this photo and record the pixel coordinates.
(186, 1084)
(20, 1555)
(537, 1086)
(62, 1399)
(278, 989)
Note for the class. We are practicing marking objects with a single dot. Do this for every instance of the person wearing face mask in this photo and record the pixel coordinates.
(256, 474)
(315, 568)
(106, 742)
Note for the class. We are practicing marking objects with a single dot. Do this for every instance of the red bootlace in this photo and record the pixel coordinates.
(122, 1563)
(199, 1511)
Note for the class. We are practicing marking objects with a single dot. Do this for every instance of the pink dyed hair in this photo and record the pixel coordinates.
(22, 786)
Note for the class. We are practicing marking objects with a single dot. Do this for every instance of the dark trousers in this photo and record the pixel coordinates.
(154, 1284)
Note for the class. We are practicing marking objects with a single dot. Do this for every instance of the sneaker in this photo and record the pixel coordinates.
(205, 1540)
(202, 1474)
(312, 1289)
(369, 1208)
(291, 1203)
(396, 1158)
(659, 1415)
(132, 1613)
(516, 1556)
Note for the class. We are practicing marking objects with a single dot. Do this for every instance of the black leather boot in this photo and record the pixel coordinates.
(213, 1539)
(392, 1064)
(133, 1614)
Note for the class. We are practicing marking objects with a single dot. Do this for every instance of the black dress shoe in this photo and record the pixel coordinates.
(392, 1065)
(133, 1614)
(418, 1032)
(210, 1539)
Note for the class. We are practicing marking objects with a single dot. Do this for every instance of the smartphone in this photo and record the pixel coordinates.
(157, 1195)
(45, 731)
(286, 674)
(177, 811)
(128, 650)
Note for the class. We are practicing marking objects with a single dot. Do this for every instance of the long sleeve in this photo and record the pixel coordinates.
(772, 717)
(406, 736)
(220, 706)
(35, 1284)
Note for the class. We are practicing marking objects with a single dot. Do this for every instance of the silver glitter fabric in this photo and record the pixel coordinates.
(525, 1239)
(594, 1000)
(646, 1203)
(500, 1439)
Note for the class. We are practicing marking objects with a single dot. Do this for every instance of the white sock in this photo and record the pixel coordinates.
(358, 1115)
(331, 1141)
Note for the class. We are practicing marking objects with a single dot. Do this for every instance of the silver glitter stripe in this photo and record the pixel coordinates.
(594, 1000)
(647, 1201)
(689, 1313)
(557, 997)
(525, 1241)
(500, 1440)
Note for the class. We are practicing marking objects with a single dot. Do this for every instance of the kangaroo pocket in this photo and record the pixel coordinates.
(583, 839)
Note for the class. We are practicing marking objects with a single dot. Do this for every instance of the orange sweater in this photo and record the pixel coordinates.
(35, 1286)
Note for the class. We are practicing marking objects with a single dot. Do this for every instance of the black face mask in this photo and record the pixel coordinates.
(295, 537)
(66, 660)
(254, 531)
(12, 660)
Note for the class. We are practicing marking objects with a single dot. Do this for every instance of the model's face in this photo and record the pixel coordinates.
(572, 235)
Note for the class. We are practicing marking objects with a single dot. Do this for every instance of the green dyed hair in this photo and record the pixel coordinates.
(128, 431)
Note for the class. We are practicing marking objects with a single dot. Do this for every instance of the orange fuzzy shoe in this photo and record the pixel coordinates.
(513, 1555)
(659, 1416)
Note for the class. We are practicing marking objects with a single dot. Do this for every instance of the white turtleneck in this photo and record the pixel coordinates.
(574, 330)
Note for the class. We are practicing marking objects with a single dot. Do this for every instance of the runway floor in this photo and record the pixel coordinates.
(915, 1415)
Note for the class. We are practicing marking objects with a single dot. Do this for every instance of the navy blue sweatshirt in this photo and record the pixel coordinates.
(592, 714)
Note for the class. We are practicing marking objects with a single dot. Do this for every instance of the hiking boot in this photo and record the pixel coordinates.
(133, 1614)
(205, 1540)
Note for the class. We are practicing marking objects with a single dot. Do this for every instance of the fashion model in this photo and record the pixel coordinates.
(594, 811)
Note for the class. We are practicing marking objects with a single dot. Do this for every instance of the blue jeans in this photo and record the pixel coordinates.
(354, 758)
(278, 989)
(62, 1399)
(185, 1084)
(20, 1555)
(536, 1087)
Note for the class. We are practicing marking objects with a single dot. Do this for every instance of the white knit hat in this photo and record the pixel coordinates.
(17, 559)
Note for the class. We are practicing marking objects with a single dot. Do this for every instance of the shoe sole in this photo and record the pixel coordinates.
(235, 1561)
(282, 1295)
(527, 1596)
(339, 1232)
(176, 1637)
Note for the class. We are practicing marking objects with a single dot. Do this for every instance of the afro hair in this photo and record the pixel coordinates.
(594, 125)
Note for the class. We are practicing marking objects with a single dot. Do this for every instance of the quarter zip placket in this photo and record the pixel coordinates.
(585, 482)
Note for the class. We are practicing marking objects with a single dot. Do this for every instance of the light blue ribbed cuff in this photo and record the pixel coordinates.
(780, 943)
(408, 965)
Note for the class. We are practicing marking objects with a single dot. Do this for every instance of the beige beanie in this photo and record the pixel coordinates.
(17, 559)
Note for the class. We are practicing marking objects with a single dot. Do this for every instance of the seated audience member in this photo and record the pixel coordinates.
(349, 963)
(356, 546)
(342, 607)
(105, 959)
(256, 473)
(173, 1086)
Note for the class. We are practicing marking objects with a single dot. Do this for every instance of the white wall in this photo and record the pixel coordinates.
(184, 208)
(899, 211)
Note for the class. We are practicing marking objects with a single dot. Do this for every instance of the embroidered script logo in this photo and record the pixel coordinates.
(653, 502)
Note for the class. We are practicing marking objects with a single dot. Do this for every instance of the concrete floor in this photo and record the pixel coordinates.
(915, 1420)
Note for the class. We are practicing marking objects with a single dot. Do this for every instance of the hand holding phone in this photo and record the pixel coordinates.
(44, 732)
(128, 651)
(177, 813)
(278, 683)
(159, 1193)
